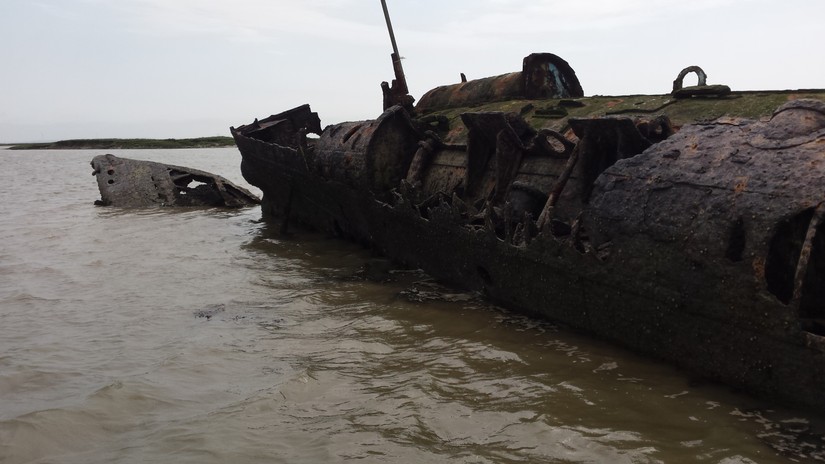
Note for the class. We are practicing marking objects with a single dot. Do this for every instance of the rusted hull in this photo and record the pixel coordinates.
(132, 183)
(693, 248)
(543, 75)
(695, 321)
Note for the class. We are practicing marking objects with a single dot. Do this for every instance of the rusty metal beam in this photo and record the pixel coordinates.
(400, 78)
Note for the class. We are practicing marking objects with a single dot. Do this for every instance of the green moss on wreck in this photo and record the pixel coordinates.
(554, 113)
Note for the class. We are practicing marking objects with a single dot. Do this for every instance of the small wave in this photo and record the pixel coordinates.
(23, 297)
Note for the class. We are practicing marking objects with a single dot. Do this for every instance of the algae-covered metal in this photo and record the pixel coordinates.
(687, 227)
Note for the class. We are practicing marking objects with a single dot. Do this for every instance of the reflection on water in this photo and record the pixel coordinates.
(201, 335)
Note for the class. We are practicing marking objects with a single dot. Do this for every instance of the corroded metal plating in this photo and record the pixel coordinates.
(132, 183)
(700, 243)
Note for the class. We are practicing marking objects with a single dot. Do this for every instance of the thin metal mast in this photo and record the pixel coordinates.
(400, 78)
(389, 27)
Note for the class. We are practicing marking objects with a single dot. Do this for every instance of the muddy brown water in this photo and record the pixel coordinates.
(202, 336)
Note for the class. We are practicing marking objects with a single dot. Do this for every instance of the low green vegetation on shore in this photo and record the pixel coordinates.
(115, 144)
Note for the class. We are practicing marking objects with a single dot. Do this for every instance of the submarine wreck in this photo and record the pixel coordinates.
(686, 226)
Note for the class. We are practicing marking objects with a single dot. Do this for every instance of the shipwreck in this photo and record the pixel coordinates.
(687, 226)
(136, 183)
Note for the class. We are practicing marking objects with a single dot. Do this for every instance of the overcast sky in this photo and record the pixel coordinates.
(186, 68)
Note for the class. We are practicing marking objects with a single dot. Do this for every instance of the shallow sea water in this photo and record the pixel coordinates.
(203, 336)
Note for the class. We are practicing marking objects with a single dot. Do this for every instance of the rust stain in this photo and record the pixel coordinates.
(759, 268)
(741, 184)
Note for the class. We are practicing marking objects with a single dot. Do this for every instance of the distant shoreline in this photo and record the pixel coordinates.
(120, 144)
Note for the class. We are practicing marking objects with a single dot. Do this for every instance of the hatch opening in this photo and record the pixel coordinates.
(783, 255)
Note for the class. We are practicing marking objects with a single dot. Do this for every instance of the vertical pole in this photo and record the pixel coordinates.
(400, 78)
(389, 27)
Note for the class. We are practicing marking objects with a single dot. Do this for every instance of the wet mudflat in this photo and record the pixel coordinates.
(201, 335)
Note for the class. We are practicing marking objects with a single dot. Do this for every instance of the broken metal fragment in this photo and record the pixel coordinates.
(134, 183)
